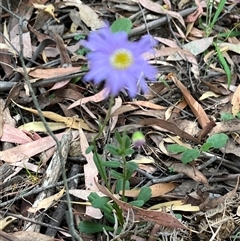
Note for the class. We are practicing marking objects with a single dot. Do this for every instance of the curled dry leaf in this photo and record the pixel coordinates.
(196, 108)
(6, 221)
(169, 126)
(189, 171)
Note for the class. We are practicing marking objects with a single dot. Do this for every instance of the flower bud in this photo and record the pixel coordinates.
(138, 139)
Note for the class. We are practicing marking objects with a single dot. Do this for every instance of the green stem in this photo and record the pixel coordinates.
(102, 127)
(124, 174)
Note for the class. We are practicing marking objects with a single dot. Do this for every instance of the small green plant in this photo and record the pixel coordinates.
(228, 116)
(119, 170)
(188, 155)
(212, 18)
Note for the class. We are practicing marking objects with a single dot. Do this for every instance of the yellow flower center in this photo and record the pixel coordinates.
(121, 59)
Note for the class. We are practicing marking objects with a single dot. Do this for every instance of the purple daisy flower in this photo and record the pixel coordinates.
(119, 62)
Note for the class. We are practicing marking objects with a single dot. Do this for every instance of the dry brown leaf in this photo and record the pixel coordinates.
(91, 174)
(195, 15)
(147, 104)
(161, 218)
(2, 103)
(71, 122)
(38, 126)
(118, 104)
(124, 109)
(166, 41)
(83, 194)
(214, 202)
(217, 88)
(14, 135)
(170, 127)
(90, 17)
(6, 221)
(30, 236)
(5, 58)
(193, 104)
(188, 170)
(157, 8)
(208, 94)
(227, 126)
(175, 206)
(47, 202)
(103, 94)
(53, 73)
(236, 101)
(231, 147)
(27, 50)
(21, 152)
(158, 189)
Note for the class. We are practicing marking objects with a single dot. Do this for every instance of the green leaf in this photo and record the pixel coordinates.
(128, 151)
(101, 169)
(109, 217)
(119, 185)
(175, 148)
(112, 164)
(80, 36)
(90, 227)
(218, 12)
(92, 196)
(131, 168)
(226, 117)
(116, 175)
(100, 202)
(224, 64)
(206, 146)
(190, 155)
(218, 140)
(121, 24)
(118, 137)
(137, 203)
(112, 149)
(89, 149)
(127, 142)
(145, 194)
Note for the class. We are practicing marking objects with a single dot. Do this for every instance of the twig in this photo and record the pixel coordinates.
(158, 22)
(37, 190)
(32, 220)
(71, 224)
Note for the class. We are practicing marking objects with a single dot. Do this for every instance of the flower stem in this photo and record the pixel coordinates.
(124, 174)
(102, 127)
